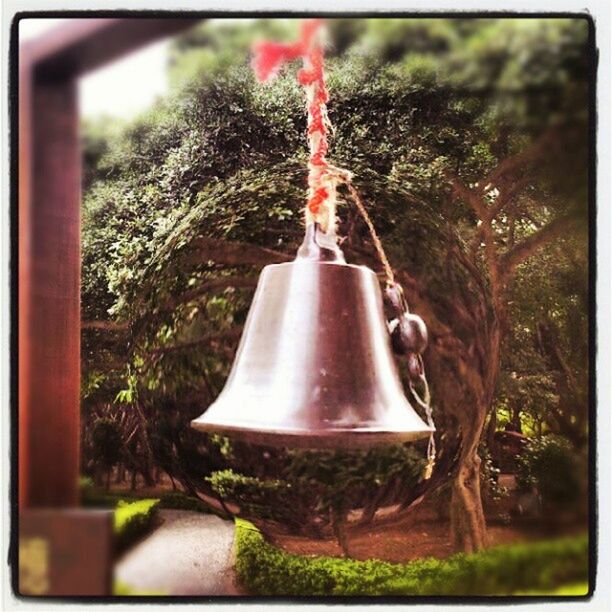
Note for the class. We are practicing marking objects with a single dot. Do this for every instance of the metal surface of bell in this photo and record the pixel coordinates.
(314, 367)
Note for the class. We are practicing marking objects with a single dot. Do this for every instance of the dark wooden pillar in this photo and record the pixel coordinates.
(49, 244)
(49, 290)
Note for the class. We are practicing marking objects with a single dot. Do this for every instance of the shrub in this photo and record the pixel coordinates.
(92, 497)
(308, 486)
(180, 501)
(86, 483)
(275, 500)
(121, 589)
(553, 468)
(132, 519)
(266, 570)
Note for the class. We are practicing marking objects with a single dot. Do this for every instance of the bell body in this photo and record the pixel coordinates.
(314, 367)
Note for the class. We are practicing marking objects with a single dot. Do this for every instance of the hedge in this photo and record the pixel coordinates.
(266, 570)
(133, 519)
(181, 501)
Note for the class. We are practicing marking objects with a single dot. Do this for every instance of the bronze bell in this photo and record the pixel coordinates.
(314, 367)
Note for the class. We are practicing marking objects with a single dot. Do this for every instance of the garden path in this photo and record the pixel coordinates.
(189, 554)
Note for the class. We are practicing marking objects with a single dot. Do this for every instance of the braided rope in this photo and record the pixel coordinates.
(323, 177)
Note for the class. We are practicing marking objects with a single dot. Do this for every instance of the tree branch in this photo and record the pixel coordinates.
(220, 282)
(524, 157)
(231, 334)
(523, 250)
(104, 325)
(472, 197)
(234, 253)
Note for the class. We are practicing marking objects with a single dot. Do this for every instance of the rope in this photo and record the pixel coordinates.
(323, 177)
(425, 401)
(375, 239)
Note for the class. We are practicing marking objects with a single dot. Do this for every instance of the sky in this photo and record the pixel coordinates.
(121, 89)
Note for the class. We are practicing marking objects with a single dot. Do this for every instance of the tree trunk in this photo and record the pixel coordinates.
(371, 506)
(468, 526)
(148, 461)
(338, 524)
(120, 473)
(171, 480)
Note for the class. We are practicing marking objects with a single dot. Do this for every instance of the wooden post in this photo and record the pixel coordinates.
(49, 245)
(49, 291)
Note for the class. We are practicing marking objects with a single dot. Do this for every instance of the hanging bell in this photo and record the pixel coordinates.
(314, 368)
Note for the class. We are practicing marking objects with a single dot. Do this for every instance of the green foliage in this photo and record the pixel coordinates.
(310, 484)
(181, 501)
(265, 570)
(489, 476)
(222, 157)
(578, 588)
(85, 483)
(132, 519)
(267, 499)
(554, 469)
(173, 500)
(552, 288)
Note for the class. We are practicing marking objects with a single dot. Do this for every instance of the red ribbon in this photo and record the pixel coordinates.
(269, 57)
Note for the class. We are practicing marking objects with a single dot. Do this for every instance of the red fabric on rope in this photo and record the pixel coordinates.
(268, 59)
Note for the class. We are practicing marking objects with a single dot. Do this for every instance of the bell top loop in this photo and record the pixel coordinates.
(319, 246)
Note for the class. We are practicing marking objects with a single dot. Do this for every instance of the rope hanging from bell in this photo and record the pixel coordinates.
(323, 177)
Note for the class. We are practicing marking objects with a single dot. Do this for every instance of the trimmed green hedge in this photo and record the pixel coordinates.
(133, 519)
(266, 570)
(182, 501)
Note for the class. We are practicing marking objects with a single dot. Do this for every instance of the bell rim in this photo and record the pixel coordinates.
(356, 437)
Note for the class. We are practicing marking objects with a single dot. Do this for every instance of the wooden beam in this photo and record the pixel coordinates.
(86, 44)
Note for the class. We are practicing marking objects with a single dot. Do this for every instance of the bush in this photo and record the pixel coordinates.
(308, 485)
(266, 570)
(275, 500)
(121, 589)
(180, 501)
(132, 519)
(86, 483)
(553, 468)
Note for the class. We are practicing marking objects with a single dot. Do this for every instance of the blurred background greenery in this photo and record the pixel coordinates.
(438, 119)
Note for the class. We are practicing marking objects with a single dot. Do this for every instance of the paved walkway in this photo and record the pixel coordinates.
(189, 554)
